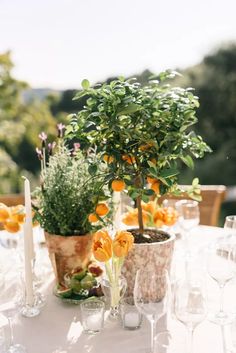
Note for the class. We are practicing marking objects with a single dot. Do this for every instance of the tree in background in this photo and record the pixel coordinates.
(214, 81)
(20, 125)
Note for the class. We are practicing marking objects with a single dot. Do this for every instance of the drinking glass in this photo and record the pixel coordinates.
(189, 216)
(230, 224)
(92, 311)
(131, 317)
(190, 305)
(221, 267)
(152, 296)
(10, 301)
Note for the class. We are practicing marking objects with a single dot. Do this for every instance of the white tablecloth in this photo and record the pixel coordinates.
(58, 329)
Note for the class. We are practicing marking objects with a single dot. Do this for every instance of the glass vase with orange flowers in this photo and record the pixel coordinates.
(140, 134)
(112, 253)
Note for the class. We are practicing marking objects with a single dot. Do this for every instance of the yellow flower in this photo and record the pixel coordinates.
(122, 243)
(102, 246)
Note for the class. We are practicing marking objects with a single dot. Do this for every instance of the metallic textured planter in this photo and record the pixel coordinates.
(153, 256)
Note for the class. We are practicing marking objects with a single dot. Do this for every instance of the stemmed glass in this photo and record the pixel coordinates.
(190, 305)
(189, 216)
(10, 300)
(221, 267)
(152, 296)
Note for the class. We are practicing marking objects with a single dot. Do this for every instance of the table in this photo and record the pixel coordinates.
(58, 329)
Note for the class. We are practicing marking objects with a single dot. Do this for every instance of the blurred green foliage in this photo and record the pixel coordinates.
(20, 124)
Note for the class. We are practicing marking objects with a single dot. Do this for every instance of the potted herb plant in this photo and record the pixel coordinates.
(141, 134)
(66, 204)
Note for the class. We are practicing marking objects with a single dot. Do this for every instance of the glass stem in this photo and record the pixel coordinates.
(11, 330)
(190, 340)
(152, 335)
(222, 286)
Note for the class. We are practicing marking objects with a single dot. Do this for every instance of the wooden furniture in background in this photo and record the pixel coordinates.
(12, 199)
(212, 198)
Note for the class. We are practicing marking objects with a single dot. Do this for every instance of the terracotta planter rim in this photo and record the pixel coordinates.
(68, 236)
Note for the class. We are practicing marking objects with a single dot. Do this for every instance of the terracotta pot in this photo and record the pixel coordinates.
(154, 256)
(68, 252)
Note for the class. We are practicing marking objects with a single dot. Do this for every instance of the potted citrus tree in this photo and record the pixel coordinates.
(141, 134)
(70, 206)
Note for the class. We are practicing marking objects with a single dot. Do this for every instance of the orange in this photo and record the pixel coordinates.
(92, 218)
(151, 180)
(102, 209)
(108, 159)
(118, 185)
(11, 226)
(145, 147)
(128, 159)
(156, 187)
(4, 213)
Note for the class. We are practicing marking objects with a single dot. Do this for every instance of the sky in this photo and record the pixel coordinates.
(57, 43)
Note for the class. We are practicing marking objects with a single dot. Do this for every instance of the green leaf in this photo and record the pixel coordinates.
(79, 95)
(134, 194)
(85, 84)
(195, 182)
(168, 173)
(92, 169)
(145, 198)
(131, 108)
(149, 192)
(188, 161)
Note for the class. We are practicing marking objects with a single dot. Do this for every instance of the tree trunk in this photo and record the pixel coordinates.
(140, 214)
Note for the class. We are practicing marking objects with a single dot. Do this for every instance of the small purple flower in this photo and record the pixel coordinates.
(76, 146)
(61, 129)
(39, 154)
(51, 146)
(43, 137)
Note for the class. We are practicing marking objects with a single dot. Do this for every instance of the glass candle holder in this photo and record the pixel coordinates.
(92, 312)
(131, 317)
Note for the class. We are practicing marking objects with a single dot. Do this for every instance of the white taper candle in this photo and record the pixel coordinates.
(28, 246)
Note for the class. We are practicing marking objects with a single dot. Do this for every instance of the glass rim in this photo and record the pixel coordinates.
(86, 304)
(191, 203)
(230, 218)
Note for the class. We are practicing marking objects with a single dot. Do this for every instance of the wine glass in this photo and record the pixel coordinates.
(221, 267)
(190, 305)
(189, 216)
(10, 301)
(152, 296)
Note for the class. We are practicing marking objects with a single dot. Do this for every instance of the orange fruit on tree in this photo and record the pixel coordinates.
(108, 159)
(151, 180)
(156, 187)
(128, 159)
(102, 209)
(118, 185)
(11, 226)
(93, 218)
(4, 212)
